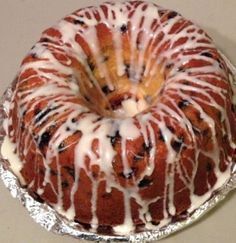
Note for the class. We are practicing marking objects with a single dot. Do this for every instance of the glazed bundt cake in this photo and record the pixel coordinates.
(123, 118)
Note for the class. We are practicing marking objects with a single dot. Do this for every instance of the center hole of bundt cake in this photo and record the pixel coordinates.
(121, 102)
(126, 97)
(119, 90)
(121, 98)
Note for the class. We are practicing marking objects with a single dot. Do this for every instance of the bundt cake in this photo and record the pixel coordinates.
(122, 117)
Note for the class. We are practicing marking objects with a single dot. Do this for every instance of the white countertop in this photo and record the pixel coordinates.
(22, 21)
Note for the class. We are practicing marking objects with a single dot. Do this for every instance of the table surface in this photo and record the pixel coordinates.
(22, 21)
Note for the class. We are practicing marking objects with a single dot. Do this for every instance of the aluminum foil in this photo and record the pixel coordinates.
(52, 221)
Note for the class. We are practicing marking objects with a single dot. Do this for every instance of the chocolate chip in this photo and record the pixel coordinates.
(41, 172)
(106, 195)
(138, 43)
(207, 54)
(220, 63)
(181, 69)
(186, 82)
(45, 40)
(114, 138)
(95, 174)
(183, 103)
(155, 223)
(142, 74)
(98, 119)
(233, 108)
(169, 66)
(147, 148)
(225, 137)
(171, 128)
(65, 184)
(123, 28)
(177, 144)
(196, 131)
(33, 55)
(106, 90)
(73, 120)
(105, 58)
(61, 147)
(37, 111)
(209, 167)
(44, 139)
(172, 14)
(219, 115)
(53, 172)
(145, 183)
(206, 132)
(161, 12)
(127, 70)
(80, 22)
(161, 137)
(37, 197)
(91, 65)
(87, 98)
(44, 113)
(24, 112)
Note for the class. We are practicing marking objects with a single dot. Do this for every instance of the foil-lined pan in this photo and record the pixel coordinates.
(52, 221)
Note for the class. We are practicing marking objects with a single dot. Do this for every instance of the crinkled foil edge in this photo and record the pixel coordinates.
(52, 221)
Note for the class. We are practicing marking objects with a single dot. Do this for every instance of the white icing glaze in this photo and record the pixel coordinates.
(58, 88)
(131, 107)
